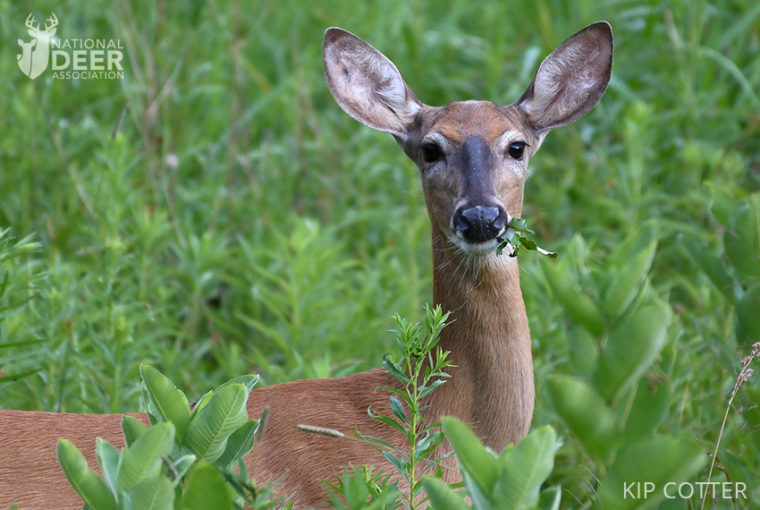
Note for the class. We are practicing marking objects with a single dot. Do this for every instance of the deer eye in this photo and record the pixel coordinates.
(516, 150)
(431, 152)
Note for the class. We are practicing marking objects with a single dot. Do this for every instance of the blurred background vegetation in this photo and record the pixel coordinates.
(215, 213)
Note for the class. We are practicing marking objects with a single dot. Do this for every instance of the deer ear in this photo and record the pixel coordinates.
(571, 80)
(366, 84)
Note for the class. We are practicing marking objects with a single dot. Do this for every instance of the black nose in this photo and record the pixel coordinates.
(478, 224)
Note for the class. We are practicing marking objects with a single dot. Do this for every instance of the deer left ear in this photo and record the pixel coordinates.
(366, 84)
(571, 80)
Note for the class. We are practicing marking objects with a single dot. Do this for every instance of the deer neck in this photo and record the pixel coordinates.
(489, 342)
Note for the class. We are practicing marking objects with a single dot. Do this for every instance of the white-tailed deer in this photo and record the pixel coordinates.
(473, 159)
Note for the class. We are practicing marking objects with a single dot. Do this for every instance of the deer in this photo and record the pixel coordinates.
(34, 56)
(472, 158)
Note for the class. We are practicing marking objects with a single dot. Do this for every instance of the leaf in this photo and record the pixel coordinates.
(428, 443)
(584, 353)
(168, 401)
(631, 348)
(472, 455)
(239, 443)
(660, 461)
(183, 464)
(550, 498)
(628, 268)
(585, 413)
(109, 459)
(442, 497)
(742, 241)
(132, 428)
(430, 388)
(398, 463)
(575, 302)
(142, 460)
(205, 490)
(648, 409)
(398, 409)
(155, 493)
(712, 266)
(525, 468)
(85, 481)
(748, 316)
(395, 370)
(210, 429)
(249, 381)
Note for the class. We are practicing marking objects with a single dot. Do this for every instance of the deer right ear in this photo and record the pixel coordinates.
(366, 84)
(571, 80)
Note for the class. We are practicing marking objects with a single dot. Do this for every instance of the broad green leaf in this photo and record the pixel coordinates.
(183, 464)
(224, 413)
(660, 461)
(742, 241)
(637, 241)
(239, 443)
(523, 469)
(142, 460)
(631, 348)
(585, 413)
(579, 306)
(169, 402)
(473, 457)
(748, 317)
(85, 481)
(133, 429)
(584, 350)
(628, 268)
(155, 493)
(712, 266)
(442, 497)
(249, 381)
(550, 498)
(647, 411)
(205, 490)
(722, 203)
(109, 459)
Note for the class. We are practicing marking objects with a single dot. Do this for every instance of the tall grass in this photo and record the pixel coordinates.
(215, 213)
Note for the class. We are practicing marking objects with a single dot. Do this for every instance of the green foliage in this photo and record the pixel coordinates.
(607, 405)
(359, 488)
(234, 220)
(420, 371)
(163, 469)
(736, 271)
(510, 480)
(518, 237)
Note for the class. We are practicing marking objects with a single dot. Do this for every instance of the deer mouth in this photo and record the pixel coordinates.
(478, 248)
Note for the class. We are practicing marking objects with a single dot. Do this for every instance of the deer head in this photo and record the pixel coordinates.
(472, 155)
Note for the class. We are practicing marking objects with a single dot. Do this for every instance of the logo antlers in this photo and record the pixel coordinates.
(34, 56)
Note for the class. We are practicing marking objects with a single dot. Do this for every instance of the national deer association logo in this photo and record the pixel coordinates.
(77, 59)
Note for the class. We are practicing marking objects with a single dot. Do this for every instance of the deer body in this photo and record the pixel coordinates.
(472, 158)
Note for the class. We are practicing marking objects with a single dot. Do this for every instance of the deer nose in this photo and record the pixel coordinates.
(478, 223)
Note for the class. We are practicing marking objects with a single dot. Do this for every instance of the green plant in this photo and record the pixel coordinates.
(361, 488)
(185, 460)
(518, 236)
(420, 371)
(19, 279)
(617, 330)
(509, 480)
(735, 271)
